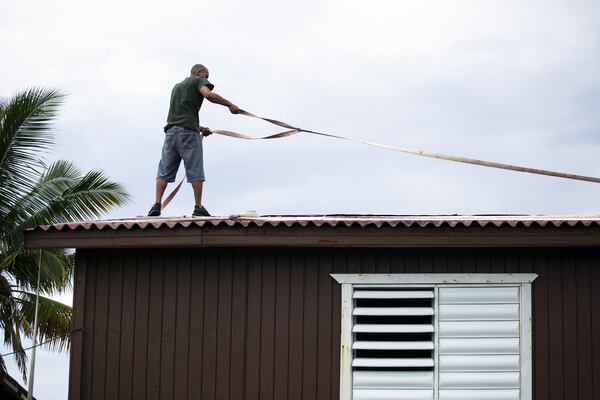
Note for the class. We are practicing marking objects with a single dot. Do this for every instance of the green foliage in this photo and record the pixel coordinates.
(33, 193)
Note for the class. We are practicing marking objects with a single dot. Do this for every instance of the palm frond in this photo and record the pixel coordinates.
(56, 269)
(25, 133)
(93, 196)
(53, 182)
(12, 324)
(87, 197)
(54, 320)
(62, 195)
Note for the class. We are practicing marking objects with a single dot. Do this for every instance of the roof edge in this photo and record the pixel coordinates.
(310, 234)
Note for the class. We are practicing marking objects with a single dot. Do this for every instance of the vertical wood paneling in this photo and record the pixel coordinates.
(541, 387)
(296, 359)
(497, 262)
(224, 324)
(425, 260)
(454, 261)
(397, 260)
(238, 325)
(324, 323)
(254, 307)
(340, 264)
(128, 317)
(115, 311)
(264, 323)
(309, 325)
(512, 261)
(142, 314)
(182, 325)
(77, 340)
(267, 327)
(368, 261)
(555, 326)
(155, 324)
(440, 261)
(282, 324)
(88, 325)
(482, 260)
(411, 261)
(209, 358)
(382, 261)
(197, 300)
(571, 385)
(584, 328)
(98, 384)
(525, 260)
(468, 265)
(353, 258)
(169, 313)
(595, 316)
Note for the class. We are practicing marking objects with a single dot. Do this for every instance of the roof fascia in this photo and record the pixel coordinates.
(323, 236)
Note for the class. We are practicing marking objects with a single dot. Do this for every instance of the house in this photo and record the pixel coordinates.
(334, 307)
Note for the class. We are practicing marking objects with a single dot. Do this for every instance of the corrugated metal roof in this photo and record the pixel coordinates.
(378, 221)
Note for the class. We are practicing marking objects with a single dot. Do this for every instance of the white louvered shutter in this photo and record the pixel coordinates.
(436, 343)
(393, 343)
(436, 336)
(479, 349)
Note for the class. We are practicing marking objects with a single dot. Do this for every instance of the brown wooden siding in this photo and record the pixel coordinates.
(263, 323)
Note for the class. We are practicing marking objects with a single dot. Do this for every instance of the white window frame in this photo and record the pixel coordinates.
(349, 281)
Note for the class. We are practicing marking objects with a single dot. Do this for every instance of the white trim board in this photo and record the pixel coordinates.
(433, 279)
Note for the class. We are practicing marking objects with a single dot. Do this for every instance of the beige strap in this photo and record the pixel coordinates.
(465, 160)
(292, 130)
(242, 136)
(170, 196)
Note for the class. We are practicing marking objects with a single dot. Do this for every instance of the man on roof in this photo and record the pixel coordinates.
(183, 136)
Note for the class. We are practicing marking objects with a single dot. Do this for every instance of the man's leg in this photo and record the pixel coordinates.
(167, 169)
(199, 210)
(194, 169)
(161, 185)
(197, 186)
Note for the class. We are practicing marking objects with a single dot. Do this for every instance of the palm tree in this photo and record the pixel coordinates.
(35, 193)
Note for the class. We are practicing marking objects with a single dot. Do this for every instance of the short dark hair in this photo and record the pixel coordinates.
(197, 68)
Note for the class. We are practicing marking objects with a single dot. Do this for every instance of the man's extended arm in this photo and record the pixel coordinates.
(215, 98)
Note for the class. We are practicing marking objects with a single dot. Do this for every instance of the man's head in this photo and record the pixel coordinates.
(199, 70)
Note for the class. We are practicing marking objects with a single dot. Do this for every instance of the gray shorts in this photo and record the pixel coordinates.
(181, 144)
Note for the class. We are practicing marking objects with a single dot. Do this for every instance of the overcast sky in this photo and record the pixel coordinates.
(507, 81)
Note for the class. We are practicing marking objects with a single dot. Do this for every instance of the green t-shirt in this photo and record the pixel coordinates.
(186, 101)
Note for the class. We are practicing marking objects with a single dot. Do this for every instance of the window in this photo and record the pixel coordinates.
(436, 336)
